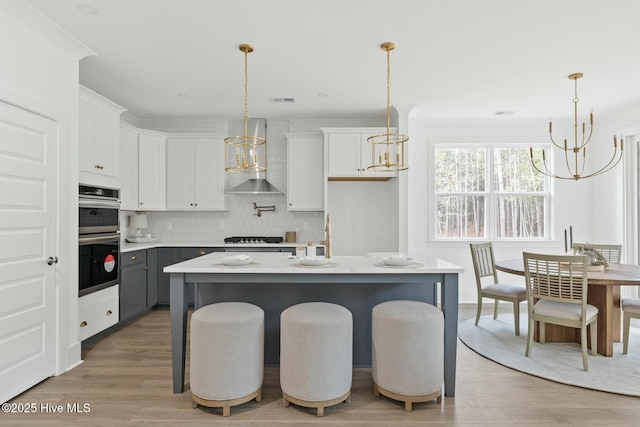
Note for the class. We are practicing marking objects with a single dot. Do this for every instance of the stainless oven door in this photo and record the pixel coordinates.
(99, 259)
(98, 216)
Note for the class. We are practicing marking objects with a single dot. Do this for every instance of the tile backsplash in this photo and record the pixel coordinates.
(240, 218)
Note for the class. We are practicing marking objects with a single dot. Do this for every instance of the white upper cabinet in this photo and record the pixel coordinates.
(195, 173)
(99, 135)
(349, 153)
(305, 173)
(152, 155)
(128, 167)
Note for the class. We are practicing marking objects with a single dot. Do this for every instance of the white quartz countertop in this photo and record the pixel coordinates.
(128, 246)
(278, 263)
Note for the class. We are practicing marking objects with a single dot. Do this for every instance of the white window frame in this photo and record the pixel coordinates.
(492, 204)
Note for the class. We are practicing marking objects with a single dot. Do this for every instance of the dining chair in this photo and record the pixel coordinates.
(557, 293)
(484, 267)
(610, 252)
(630, 308)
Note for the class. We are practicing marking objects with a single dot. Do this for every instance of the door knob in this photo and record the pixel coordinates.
(52, 260)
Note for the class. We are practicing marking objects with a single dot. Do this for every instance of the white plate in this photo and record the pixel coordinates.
(397, 260)
(236, 260)
(313, 260)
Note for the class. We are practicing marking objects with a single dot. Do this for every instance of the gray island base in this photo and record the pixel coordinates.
(275, 282)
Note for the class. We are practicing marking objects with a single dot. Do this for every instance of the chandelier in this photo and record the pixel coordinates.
(576, 164)
(245, 153)
(388, 150)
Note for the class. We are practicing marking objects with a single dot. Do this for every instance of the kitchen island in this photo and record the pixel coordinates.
(274, 281)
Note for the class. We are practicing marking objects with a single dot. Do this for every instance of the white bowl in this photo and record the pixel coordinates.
(314, 260)
(236, 259)
(397, 260)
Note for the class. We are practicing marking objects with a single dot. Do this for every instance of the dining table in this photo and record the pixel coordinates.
(603, 292)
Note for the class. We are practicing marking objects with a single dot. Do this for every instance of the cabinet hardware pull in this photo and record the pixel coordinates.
(146, 268)
(201, 253)
(134, 257)
(52, 260)
(109, 312)
(141, 203)
(83, 324)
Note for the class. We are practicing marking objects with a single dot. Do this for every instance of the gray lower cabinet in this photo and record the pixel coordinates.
(152, 277)
(169, 256)
(133, 284)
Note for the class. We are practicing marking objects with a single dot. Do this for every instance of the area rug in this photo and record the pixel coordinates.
(560, 362)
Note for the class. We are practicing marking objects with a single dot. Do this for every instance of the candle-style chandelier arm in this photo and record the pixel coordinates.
(546, 170)
(579, 149)
(613, 162)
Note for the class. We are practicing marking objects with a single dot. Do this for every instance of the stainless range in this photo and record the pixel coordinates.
(252, 239)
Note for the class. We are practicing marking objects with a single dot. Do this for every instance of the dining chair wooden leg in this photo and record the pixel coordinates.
(530, 328)
(495, 309)
(516, 316)
(583, 346)
(626, 324)
(479, 310)
(541, 330)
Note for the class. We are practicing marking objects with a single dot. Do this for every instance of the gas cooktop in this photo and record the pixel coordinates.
(252, 239)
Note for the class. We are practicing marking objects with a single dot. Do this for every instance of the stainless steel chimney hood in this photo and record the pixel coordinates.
(256, 185)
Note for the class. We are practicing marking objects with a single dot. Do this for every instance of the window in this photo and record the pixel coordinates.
(489, 191)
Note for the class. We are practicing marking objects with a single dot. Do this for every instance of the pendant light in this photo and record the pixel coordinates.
(245, 153)
(388, 149)
(576, 163)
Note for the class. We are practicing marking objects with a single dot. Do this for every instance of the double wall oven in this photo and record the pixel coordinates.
(98, 238)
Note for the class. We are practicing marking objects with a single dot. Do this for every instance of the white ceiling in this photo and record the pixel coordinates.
(454, 58)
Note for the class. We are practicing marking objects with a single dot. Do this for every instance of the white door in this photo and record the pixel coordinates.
(28, 150)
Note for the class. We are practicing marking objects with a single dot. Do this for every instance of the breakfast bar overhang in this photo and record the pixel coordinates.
(274, 281)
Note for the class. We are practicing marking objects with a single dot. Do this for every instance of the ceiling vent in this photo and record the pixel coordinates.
(284, 100)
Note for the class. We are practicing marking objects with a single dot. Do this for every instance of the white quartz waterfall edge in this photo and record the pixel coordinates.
(560, 362)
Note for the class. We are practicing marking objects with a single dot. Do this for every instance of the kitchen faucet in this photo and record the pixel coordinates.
(327, 241)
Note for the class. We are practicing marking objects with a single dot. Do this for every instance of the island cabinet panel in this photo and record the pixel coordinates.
(305, 172)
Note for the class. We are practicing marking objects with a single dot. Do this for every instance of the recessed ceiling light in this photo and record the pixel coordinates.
(504, 113)
(88, 9)
(183, 95)
(323, 95)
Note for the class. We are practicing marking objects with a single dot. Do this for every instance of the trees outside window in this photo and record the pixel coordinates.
(488, 191)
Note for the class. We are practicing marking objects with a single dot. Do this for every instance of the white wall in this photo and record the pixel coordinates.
(39, 72)
(571, 204)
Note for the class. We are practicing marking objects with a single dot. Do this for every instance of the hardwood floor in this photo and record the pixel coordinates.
(126, 380)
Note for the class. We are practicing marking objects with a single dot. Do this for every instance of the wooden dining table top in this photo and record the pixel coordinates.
(614, 274)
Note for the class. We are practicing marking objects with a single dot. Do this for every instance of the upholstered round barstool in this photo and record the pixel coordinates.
(407, 351)
(226, 365)
(316, 348)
